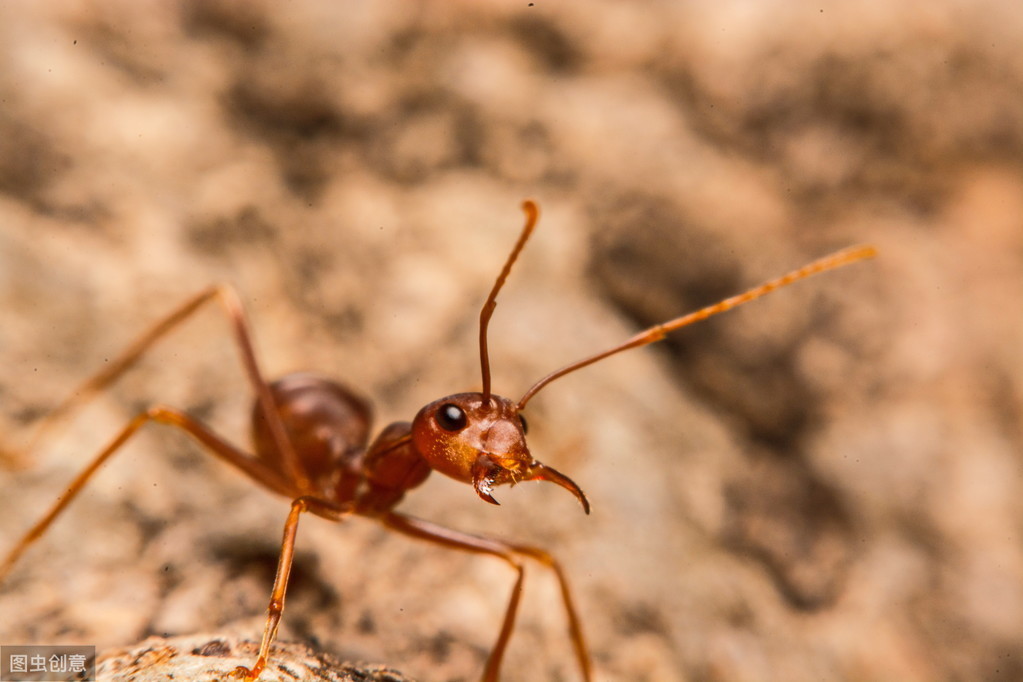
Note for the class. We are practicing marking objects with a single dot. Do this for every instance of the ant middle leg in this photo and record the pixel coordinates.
(255, 468)
(235, 312)
(512, 554)
(303, 504)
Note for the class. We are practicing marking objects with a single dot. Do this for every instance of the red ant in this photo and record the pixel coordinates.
(310, 435)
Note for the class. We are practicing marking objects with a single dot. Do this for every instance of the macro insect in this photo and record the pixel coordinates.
(310, 443)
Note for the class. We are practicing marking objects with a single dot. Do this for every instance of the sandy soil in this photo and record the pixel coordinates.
(827, 484)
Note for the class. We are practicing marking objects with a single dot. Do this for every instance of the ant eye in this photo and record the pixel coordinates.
(451, 417)
(525, 424)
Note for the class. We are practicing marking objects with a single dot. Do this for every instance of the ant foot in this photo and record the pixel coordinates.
(247, 674)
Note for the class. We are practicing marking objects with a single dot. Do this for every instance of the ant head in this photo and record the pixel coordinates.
(481, 440)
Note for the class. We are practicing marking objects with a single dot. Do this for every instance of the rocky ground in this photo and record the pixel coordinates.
(827, 484)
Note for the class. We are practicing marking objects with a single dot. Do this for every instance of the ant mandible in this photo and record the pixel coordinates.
(310, 434)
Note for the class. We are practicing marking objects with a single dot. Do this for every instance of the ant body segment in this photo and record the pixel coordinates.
(311, 444)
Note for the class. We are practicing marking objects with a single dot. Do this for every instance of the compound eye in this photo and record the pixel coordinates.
(525, 424)
(451, 417)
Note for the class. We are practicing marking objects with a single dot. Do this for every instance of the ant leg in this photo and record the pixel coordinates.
(276, 607)
(447, 537)
(162, 415)
(232, 306)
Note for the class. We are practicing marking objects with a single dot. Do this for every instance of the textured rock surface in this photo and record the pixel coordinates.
(825, 485)
(208, 658)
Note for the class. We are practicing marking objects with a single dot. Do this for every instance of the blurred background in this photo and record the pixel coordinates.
(827, 484)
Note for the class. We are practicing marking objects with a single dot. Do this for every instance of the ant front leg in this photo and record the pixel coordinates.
(276, 608)
(511, 554)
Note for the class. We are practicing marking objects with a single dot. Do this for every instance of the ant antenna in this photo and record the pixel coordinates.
(532, 214)
(659, 331)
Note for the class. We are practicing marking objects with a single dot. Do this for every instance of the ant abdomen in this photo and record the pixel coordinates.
(326, 422)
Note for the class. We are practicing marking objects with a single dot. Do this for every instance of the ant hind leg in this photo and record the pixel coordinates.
(232, 307)
(161, 415)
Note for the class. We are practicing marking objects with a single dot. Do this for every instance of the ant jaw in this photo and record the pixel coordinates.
(542, 472)
(484, 477)
(490, 470)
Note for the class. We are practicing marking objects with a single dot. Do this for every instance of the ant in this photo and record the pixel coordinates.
(310, 438)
